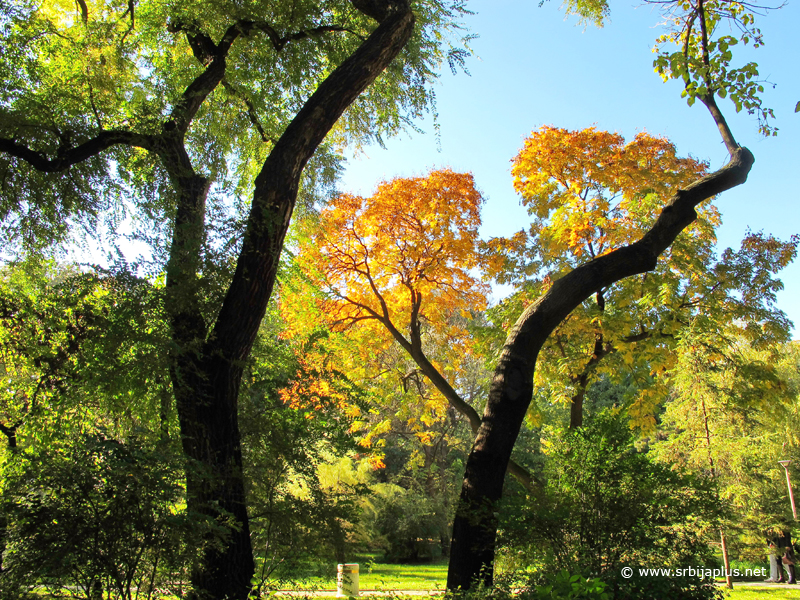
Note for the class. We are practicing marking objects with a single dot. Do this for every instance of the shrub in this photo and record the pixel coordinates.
(605, 505)
(99, 517)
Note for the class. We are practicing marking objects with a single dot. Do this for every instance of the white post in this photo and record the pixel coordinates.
(347, 581)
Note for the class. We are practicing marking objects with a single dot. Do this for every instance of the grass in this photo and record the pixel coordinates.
(762, 593)
(404, 577)
(380, 576)
(432, 577)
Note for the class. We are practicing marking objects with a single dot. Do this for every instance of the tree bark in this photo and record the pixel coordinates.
(475, 525)
(207, 369)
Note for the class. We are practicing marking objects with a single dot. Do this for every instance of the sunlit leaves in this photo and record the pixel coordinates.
(397, 267)
(403, 254)
(589, 193)
(62, 332)
(702, 54)
(74, 69)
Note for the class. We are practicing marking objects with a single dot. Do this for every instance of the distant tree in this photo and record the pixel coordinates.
(731, 417)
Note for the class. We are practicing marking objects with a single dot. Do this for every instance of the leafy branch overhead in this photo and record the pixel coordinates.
(705, 31)
(146, 76)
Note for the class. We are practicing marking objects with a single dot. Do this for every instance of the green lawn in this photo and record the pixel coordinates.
(404, 577)
(763, 593)
(388, 577)
(432, 577)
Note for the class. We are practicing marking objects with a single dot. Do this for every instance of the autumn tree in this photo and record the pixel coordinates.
(169, 110)
(702, 63)
(588, 193)
(399, 264)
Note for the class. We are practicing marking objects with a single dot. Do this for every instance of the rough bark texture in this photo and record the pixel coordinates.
(475, 526)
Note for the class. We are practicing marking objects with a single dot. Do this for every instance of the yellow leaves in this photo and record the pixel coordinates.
(644, 408)
(385, 272)
(375, 461)
(313, 389)
(590, 192)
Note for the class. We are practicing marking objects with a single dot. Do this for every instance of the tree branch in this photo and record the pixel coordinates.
(72, 156)
(210, 54)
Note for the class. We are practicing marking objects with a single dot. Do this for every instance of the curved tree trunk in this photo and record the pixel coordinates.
(207, 368)
(475, 526)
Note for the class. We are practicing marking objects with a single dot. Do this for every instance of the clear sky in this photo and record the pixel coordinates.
(532, 67)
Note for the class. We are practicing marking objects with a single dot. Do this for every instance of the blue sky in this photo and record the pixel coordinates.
(532, 67)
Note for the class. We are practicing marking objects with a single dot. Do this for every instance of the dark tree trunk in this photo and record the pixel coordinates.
(475, 526)
(11, 435)
(576, 409)
(206, 397)
(207, 368)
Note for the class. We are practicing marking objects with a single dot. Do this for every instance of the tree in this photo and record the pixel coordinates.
(399, 263)
(730, 417)
(702, 64)
(589, 193)
(171, 107)
(61, 333)
(93, 514)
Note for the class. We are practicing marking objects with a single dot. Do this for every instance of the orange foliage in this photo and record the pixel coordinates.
(399, 257)
(590, 192)
(316, 388)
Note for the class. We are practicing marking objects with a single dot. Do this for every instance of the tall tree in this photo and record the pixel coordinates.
(166, 107)
(400, 263)
(730, 418)
(702, 64)
(589, 193)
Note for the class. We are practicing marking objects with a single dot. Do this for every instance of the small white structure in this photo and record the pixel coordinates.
(347, 581)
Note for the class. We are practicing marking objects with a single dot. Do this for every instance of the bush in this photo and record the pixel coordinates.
(674, 588)
(605, 505)
(100, 517)
(552, 586)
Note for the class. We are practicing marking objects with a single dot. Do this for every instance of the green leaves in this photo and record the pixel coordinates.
(703, 61)
(132, 68)
(80, 342)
